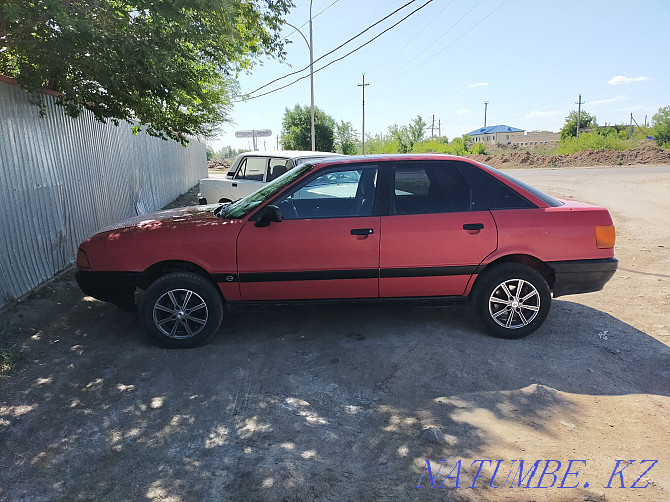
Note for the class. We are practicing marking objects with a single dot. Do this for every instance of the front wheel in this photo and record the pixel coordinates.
(511, 300)
(181, 310)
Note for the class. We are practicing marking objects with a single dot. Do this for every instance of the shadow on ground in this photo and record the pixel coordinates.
(318, 403)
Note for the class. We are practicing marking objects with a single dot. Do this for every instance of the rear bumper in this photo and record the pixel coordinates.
(582, 276)
(113, 287)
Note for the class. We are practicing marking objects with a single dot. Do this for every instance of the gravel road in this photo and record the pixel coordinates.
(350, 402)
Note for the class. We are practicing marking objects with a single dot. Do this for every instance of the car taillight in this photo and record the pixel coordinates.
(82, 261)
(605, 237)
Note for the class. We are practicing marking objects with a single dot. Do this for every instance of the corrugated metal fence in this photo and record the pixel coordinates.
(62, 179)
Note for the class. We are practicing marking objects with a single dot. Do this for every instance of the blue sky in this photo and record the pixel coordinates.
(530, 59)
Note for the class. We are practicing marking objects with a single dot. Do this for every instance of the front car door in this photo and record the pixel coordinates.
(435, 235)
(327, 245)
(249, 177)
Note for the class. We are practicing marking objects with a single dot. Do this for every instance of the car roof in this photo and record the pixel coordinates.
(389, 157)
(290, 154)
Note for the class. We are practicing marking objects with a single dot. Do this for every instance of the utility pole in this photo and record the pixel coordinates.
(363, 85)
(630, 132)
(439, 129)
(277, 141)
(311, 73)
(486, 105)
(579, 113)
(432, 128)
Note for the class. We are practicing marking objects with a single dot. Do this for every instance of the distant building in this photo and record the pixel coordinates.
(511, 136)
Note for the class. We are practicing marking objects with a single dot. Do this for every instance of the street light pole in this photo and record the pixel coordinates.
(311, 68)
(311, 73)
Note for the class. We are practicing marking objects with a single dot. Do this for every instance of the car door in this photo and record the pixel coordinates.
(327, 245)
(249, 177)
(435, 235)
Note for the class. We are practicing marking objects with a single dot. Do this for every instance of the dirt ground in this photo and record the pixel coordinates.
(350, 402)
(647, 153)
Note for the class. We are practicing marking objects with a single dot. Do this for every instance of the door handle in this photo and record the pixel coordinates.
(234, 184)
(361, 231)
(473, 226)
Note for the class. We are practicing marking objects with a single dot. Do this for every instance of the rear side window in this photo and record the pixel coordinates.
(430, 187)
(551, 201)
(492, 193)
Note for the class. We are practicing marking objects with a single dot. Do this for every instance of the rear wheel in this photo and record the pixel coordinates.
(511, 300)
(181, 310)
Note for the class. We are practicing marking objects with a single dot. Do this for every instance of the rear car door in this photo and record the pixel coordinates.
(327, 245)
(435, 235)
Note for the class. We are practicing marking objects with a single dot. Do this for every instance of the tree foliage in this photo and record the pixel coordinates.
(297, 129)
(407, 136)
(569, 129)
(346, 138)
(660, 124)
(171, 66)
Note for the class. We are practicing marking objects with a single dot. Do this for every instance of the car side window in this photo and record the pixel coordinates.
(252, 169)
(493, 194)
(430, 187)
(277, 167)
(333, 194)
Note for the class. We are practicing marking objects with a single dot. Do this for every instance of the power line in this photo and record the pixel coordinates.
(464, 34)
(395, 70)
(335, 49)
(424, 28)
(313, 18)
(340, 58)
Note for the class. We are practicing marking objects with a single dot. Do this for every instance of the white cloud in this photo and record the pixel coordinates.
(606, 100)
(620, 79)
(479, 84)
(463, 111)
(535, 114)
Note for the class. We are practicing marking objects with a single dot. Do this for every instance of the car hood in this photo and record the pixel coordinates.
(169, 217)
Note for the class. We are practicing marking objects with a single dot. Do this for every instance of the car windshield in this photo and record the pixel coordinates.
(243, 207)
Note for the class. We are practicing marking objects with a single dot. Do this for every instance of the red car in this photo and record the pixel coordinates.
(395, 227)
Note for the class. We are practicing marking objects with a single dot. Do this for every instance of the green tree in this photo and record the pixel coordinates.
(416, 129)
(401, 137)
(569, 129)
(345, 138)
(405, 137)
(297, 129)
(660, 124)
(171, 66)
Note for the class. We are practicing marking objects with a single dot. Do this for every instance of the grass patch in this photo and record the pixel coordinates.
(594, 141)
(11, 352)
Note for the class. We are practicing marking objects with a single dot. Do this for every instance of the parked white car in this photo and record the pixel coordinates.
(250, 171)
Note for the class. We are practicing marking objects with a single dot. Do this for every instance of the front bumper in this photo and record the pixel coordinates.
(113, 287)
(582, 276)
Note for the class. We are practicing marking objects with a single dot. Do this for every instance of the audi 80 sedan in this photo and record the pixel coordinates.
(394, 227)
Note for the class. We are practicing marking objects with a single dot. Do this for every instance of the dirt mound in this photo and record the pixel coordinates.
(642, 155)
(222, 165)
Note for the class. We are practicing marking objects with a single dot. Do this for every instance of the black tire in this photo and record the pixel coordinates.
(503, 310)
(224, 200)
(181, 310)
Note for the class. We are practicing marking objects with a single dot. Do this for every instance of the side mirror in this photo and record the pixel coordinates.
(269, 215)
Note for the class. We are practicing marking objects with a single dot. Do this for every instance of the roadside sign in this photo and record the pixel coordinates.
(255, 133)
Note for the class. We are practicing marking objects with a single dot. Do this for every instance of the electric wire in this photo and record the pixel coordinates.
(335, 49)
(335, 60)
